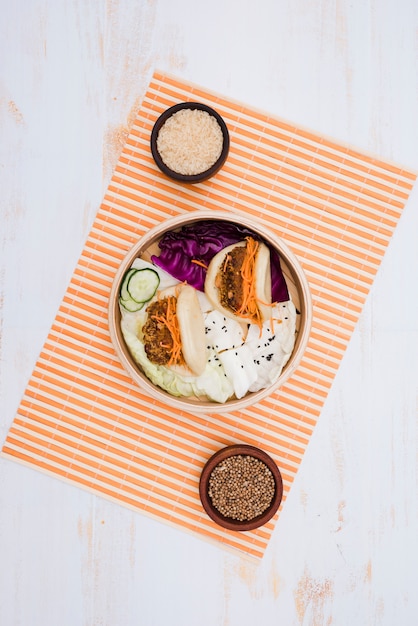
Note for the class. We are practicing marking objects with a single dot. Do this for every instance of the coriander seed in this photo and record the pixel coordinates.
(241, 487)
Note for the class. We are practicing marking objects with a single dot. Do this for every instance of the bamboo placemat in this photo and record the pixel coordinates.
(82, 419)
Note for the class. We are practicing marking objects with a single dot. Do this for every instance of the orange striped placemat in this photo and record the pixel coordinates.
(83, 420)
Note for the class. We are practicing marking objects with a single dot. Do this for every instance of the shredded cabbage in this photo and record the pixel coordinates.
(183, 253)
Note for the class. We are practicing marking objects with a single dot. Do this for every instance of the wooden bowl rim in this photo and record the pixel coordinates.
(190, 404)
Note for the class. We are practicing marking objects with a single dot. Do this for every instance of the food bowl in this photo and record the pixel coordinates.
(240, 487)
(183, 149)
(298, 288)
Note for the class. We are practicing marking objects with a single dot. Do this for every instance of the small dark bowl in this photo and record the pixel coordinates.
(193, 178)
(228, 522)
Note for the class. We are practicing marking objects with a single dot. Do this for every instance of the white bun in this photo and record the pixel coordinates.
(192, 329)
(262, 278)
(263, 281)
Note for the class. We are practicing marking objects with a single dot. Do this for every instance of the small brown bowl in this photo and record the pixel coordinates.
(229, 522)
(189, 178)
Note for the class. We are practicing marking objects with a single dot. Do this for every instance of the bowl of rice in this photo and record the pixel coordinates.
(244, 363)
(190, 142)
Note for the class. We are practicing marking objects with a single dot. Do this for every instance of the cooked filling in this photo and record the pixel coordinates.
(229, 281)
(161, 333)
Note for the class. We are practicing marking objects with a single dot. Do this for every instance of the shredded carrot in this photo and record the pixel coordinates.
(265, 303)
(171, 322)
(197, 262)
(274, 319)
(249, 308)
(226, 261)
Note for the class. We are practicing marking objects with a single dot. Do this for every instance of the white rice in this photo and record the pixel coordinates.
(190, 141)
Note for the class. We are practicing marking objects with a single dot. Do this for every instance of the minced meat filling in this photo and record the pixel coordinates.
(229, 281)
(157, 338)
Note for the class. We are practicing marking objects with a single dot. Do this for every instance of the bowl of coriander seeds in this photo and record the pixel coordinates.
(240, 487)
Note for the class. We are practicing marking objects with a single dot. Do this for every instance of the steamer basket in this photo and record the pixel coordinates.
(298, 289)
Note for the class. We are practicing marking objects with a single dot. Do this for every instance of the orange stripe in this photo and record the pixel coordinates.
(70, 427)
(72, 417)
(119, 401)
(270, 152)
(65, 324)
(254, 548)
(98, 267)
(126, 481)
(198, 427)
(293, 171)
(314, 137)
(125, 463)
(325, 217)
(343, 250)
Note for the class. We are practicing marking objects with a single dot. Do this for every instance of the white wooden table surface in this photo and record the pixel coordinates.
(73, 73)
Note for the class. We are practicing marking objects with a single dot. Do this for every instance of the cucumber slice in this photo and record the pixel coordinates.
(124, 294)
(131, 305)
(142, 285)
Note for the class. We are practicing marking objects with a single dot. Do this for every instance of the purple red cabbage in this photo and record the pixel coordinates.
(183, 250)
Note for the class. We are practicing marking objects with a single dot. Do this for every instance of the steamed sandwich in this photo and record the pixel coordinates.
(238, 281)
(174, 331)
